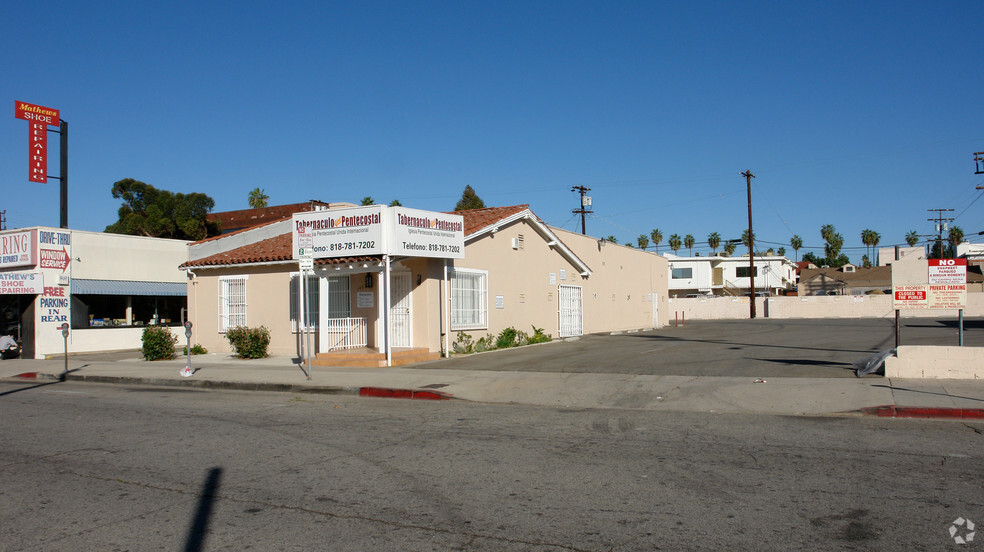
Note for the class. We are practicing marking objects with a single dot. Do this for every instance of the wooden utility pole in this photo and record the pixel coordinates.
(585, 203)
(751, 246)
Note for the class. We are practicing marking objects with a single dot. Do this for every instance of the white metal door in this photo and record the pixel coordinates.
(401, 317)
(571, 311)
(655, 310)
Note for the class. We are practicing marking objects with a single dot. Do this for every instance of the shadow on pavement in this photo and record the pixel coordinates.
(203, 514)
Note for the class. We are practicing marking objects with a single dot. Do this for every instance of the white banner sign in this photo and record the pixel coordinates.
(340, 232)
(416, 233)
(378, 230)
(18, 283)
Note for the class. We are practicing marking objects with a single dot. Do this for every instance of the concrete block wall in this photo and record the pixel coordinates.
(936, 362)
(839, 306)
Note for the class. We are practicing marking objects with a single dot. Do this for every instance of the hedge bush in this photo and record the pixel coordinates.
(249, 342)
(158, 343)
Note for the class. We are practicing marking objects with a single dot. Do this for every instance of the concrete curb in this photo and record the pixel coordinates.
(892, 411)
(374, 392)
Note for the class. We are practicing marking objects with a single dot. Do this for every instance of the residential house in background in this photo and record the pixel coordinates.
(886, 255)
(720, 275)
(846, 280)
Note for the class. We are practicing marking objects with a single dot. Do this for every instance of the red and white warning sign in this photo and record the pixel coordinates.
(947, 271)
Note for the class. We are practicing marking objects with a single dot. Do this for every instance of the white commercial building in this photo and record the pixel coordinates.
(107, 287)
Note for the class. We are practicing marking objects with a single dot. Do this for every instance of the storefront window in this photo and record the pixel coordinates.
(113, 311)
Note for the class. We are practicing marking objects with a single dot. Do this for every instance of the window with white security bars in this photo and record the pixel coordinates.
(311, 308)
(232, 302)
(339, 297)
(469, 299)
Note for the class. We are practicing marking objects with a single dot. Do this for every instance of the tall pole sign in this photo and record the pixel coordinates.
(40, 118)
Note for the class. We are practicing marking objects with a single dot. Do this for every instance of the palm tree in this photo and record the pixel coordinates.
(827, 231)
(674, 242)
(956, 238)
(912, 238)
(396, 203)
(866, 240)
(796, 243)
(657, 238)
(258, 198)
(781, 251)
(865, 261)
(368, 200)
(875, 240)
(611, 239)
(744, 237)
(714, 241)
(729, 248)
(688, 242)
(643, 241)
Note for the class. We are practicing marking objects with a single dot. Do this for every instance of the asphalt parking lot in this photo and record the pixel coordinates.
(760, 348)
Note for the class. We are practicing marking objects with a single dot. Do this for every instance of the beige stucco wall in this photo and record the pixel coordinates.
(617, 295)
(118, 257)
(267, 300)
(624, 282)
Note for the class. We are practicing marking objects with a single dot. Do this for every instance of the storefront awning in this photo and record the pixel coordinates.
(127, 287)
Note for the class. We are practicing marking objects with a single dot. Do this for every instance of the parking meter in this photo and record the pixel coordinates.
(186, 371)
(64, 331)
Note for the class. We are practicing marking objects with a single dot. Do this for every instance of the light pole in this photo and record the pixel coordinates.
(751, 246)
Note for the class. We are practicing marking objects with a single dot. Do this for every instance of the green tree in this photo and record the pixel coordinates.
(657, 238)
(796, 243)
(865, 261)
(912, 238)
(368, 200)
(956, 238)
(396, 203)
(611, 239)
(744, 237)
(258, 198)
(729, 248)
(714, 241)
(148, 211)
(643, 241)
(469, 200)
(675, 243)
(688, 242)
(781, 251)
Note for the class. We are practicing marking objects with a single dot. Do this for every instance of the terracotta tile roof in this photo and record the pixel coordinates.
(278, 248)
(476, 219)
(246, 218)
(274, 249)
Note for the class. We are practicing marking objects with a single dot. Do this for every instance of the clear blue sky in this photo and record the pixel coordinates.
(856, 114)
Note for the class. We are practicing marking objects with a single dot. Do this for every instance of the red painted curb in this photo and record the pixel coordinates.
(28, 375)
(382, 392)
(891, 411)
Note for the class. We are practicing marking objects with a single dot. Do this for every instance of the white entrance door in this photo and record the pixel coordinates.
(571, 311)
(401, 317)
(655, 310)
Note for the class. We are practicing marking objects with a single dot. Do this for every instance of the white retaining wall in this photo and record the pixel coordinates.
(808, 306)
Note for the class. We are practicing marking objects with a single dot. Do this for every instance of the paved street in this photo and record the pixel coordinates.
(126, 468)
(801, 348)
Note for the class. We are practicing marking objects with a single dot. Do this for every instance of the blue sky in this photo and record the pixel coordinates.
(856, 114)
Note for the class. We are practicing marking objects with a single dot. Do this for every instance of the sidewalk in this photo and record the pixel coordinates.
(794, 396)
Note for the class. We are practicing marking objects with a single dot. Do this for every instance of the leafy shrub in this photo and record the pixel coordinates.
(506, 339)
(487, 343)
(249, 342)
(196, 349)
(158, 343)
(463, 344)
(538, 336)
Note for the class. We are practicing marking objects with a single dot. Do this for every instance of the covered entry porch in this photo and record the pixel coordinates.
(361, 314)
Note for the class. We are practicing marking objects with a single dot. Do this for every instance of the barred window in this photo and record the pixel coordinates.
(232, 302)
(469, 299)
